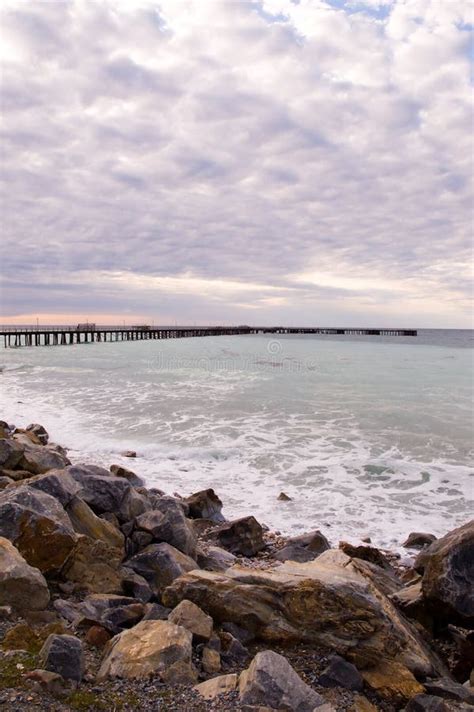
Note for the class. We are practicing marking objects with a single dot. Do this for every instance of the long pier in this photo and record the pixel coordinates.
(84, 334)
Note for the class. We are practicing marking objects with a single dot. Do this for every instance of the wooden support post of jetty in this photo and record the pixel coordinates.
(91, 333)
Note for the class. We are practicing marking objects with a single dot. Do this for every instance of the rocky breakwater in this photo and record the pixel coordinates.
(114, 596)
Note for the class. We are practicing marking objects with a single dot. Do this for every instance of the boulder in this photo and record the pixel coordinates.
(156, 612)
(233, 652)
(366, 553)
(448, 577)
(150, 647)
(418, 540)
(120, 617)
(99, 488)
(241, 536)
(168, 523)
(160, 565)
(38, 459)
(135, 586)
(392, 681)
(216, 559)
(211, 660)
(11, 453)
(94, 566)
(127, 474)
(86, 522)
(97, 636)
(191, 617)
(21, 585)
(305, 547)
(57, 483)
(205, 505)
(38, 526)
(63, 655)
(48, 681)
(340, 673)
(327, 601)
(449, 690)
(211, 689)
(97, 606)
(39, 431)
(271, 681)
(412, 604)
(430, 703)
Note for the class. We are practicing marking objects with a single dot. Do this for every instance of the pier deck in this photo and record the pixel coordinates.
(62, 336)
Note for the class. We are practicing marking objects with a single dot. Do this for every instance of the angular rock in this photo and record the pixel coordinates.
(156, 612)
(211, 660)
(135, 586)
(205, 505)
(94, 566)
(305, 547)
(63, 654)
(96, 606)
(120, 617)
(449, 690)
(430, 703)
(243, 635)
(160, 565)
(168, 523)
(57, 483)
(327, 601)
(99, 488)
(86, 522)
(21, 585)
(241, 536)
(38, 526)
(130, 476)
(340, 673)
(216, 559)
(11, 453)
(149, 647)
(366, 553)
(417, 540)
(191, 617)
(233, 652)
(270, 680)
(39, 431)
(97, 636)
(211, 689)
(392, 681)
(38, 459)
(412, 604)
(448, 578)
(51, 682)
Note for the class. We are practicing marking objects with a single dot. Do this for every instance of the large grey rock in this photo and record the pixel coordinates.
(241, 536)
(449, 690)
(430, 703)
(448, 576)
(340, 673)
(305, 547)
(205, 505)
(418, 540)
(271, 681)
(58, 484)
(21, 585)
(38, 459)
(11, 453)
(39, 431)
(99, 489)
(168, 523)
(63, 654)
(216, 559)
(94, 566)
(131, 477)
(38, 526)
(86, 522)
(160, 565)
(150, 647)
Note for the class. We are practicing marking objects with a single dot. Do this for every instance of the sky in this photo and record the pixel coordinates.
(214, 162)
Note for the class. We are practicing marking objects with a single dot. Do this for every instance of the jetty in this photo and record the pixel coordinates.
(16, 336)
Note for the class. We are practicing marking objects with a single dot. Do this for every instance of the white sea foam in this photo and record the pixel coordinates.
(373, 440)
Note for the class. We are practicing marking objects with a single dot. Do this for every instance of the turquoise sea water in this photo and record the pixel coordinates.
(367, 435)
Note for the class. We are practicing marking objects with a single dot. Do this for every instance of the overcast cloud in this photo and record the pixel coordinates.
(254, 162)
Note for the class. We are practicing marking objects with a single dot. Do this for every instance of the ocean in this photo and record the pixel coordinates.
(368, 436)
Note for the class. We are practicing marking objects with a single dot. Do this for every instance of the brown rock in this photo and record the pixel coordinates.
(217, 686)
(38, 526)
(418, 540)
(211, 660)
(94, 566)
(366, 553)
(392, 681)
(11, 453)
(97, 636)
(86, 522)
(39, 432)
(241, 536)
(327, 601)
(21, 585)
(205, 505)
(191, 617)
(38, 459)
(127, 474)
(147, 648)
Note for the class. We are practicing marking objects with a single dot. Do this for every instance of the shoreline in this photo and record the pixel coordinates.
(161, 464)
(97, 563)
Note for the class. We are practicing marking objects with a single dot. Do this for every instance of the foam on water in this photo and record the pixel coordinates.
(366, 437)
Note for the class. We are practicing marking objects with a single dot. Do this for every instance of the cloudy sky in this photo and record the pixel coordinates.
(300, 162)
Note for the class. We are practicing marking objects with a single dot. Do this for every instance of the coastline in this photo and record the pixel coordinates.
(92, 557)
